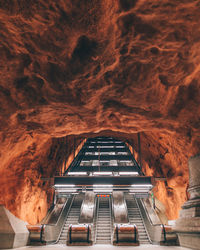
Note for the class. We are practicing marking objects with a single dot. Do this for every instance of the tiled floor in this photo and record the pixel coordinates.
(100, 247)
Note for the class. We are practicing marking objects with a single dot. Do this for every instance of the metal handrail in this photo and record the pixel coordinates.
(72, 200)
(135, 232)
(37, 231)
(164, 233)
(70, 233)
(53, 228)
(96, 214)
(154, 231)
(54, 224)
(144, 222)
(111, 217)
(48, 214)
(149, 218)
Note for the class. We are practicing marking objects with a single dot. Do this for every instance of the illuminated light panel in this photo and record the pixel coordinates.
(64, 185)
(105, 142)
(128, 173)
(102, 173)
(102, 186)
(123, 161)
(141, 185)
(138, 191)
(77, 173)
(68, 190)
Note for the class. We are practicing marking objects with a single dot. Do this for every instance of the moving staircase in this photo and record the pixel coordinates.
(136, 218)
(103, 221)
(72, 218)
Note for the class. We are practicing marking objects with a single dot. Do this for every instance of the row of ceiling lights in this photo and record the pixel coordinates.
(102, 173)
(103, 188)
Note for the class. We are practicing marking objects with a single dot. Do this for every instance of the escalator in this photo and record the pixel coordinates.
(136, 218)
(103, 221)
(72, 217)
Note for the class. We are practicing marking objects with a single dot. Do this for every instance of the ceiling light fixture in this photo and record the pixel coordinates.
(102, 173)
(128, 173)
(64, 185)
(77, 173)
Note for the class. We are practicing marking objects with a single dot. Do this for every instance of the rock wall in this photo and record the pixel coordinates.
(26, 175)
(71, 67)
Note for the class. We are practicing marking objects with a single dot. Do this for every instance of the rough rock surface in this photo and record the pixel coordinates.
(74, 67)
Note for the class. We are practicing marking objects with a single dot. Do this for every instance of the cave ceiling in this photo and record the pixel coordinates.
(72, 68)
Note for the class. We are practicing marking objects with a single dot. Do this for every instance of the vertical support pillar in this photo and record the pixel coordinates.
(66, 156)
(188, 224)
(139, 150)
(74, 146)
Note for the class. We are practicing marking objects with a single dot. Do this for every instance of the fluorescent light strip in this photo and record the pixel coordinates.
(138, 191)
(102, 173)
(77, 173)
(67, 190)
(102, 186)
(105, 142)
(64, 185)
(141, 185)
(128, 173)
(124, 161)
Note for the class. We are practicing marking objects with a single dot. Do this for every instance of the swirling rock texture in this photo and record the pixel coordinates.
(78, 67)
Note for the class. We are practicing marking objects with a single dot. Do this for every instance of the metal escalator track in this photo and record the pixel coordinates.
(103, 221)
(72, 217)
(136, 218)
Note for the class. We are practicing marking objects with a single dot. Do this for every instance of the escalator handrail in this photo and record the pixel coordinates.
(96, 219)
(164, 233)
(41, 233)
(152, 225)
(43, 226)
(117, 235)
(72, 200)
(135, 233)
(146, 211)
(110, 202)
(88, 233)
(48, 215)
(70, 233)
(55, 224)
(144, 220)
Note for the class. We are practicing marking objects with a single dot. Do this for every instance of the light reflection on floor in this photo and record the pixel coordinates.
(100, 247)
